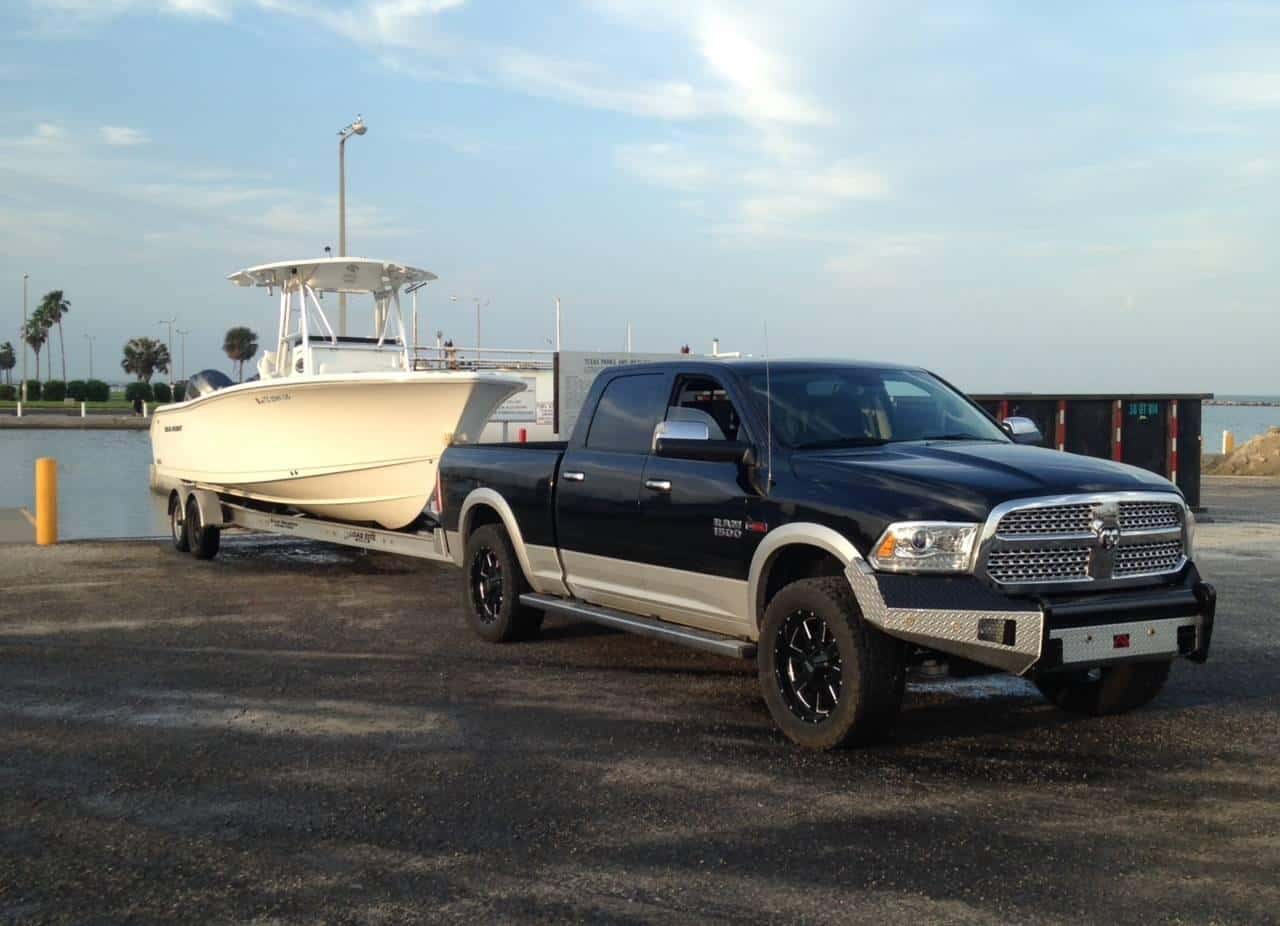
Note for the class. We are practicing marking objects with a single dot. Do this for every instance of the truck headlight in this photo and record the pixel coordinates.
(926, 546)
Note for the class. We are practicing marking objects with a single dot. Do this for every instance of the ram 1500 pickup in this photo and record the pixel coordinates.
(835, 521)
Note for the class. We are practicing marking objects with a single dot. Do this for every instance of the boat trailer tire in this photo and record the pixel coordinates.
(203, 541)
(829, 678)
(178, 524)
(493, 584)
(1105, 690)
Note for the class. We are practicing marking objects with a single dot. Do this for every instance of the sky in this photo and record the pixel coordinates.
(1019, 196)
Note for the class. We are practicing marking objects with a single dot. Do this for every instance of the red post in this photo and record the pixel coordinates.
(1003, 412)
(1117, 430)
(524, 435)
(1061, 429)
(1173, 441)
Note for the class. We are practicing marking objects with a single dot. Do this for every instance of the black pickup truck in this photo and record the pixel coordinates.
(835, 521)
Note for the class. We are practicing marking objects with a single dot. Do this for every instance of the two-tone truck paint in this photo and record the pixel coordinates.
(836, 521)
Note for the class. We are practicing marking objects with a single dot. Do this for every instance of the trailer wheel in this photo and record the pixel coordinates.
(1106, 690)
(494, 584)
(178, 524)
(830, 679)
(203, 541)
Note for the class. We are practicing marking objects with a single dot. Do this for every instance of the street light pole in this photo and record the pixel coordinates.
(90, 339)
(355, 128)
(184, 334)
(24, 337)
(169, 322)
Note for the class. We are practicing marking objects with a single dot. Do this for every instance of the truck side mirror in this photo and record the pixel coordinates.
(1022, 430)
(680, 430)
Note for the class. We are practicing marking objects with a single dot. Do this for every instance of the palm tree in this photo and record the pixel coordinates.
(7, 362)
(240, 344)
(36, 334)
(143, 357)
(53, 307)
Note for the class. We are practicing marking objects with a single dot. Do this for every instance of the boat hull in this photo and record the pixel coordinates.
(358, 447)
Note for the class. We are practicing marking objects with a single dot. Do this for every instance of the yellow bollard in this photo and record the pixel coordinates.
(1228, 442)
(46, 501)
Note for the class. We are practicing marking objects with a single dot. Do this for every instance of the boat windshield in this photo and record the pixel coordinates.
(831, 406)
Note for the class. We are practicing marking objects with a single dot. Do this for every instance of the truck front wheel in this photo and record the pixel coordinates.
(1105, 690)
(830, 679)
(494, 583)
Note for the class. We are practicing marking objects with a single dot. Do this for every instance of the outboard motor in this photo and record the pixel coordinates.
(205, 382)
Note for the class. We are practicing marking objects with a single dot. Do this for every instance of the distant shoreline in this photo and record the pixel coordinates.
(55, 422)
(1245, 403)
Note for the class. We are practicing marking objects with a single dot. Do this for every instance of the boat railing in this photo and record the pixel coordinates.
(445, 357)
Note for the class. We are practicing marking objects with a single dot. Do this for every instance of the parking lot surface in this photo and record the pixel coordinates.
(295, 733)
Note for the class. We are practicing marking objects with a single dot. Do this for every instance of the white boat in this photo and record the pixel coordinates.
(344, 428)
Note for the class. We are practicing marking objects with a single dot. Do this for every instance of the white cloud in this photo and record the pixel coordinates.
(122, 136)
(665, 166)
(89, 10)
(1243, 89)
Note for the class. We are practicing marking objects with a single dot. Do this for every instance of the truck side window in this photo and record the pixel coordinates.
(629, 408)
(700, 398)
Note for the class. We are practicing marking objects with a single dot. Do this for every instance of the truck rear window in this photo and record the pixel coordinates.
(629, 408)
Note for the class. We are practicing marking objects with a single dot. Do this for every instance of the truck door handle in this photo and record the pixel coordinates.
(658, 485)
(574, 477)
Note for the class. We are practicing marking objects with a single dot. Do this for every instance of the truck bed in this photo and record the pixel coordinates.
(525, 472)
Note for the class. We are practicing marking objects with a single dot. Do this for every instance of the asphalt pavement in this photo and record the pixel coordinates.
(295, 733)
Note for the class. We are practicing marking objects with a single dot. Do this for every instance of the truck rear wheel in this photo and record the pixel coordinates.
(494, 584)
(830, 679)
(1105, 690)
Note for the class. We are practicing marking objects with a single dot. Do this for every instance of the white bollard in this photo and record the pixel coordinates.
(1228, 442)
(81, 409)
(19, 409)
(144, 409)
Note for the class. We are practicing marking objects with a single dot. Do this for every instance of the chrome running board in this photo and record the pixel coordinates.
(644, 626)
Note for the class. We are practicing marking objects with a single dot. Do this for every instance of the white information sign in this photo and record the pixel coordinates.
(521, 406)
(575, 372)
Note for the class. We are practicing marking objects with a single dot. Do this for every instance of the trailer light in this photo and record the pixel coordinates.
(926, 546)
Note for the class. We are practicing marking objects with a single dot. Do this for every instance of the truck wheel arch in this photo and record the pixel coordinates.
(814, 543)
(486, 506)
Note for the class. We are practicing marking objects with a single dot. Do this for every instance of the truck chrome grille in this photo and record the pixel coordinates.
(1057, 519)
(1032, 565)
(1146, 516)
(1148, 558)
(1083, 539)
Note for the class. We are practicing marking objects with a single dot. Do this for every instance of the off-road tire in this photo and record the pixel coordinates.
(492, 585)
(872, 668)
(178, 524)
(203, 541)
(1110, 690)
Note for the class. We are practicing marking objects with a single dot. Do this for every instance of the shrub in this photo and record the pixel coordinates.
(161, 392)
(33, 390)
(179, 391)
(138, 390)
(95, 390)
(55, 390)
(8, 393)
(78, 390)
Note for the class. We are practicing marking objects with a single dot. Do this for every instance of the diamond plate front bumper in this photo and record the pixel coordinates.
(964, 618)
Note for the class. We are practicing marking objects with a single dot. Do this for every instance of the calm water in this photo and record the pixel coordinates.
(102, 475)
(1245, 421)
(102, 481)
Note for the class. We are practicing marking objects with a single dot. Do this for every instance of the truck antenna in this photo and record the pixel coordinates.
(768, 415)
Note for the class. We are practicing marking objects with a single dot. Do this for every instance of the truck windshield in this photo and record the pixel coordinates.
(827, 407)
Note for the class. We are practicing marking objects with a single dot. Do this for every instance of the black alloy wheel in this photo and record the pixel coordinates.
(487, 584)
(494, 584)
(808, 666)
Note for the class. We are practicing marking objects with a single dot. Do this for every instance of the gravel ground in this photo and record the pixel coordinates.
(297, 734)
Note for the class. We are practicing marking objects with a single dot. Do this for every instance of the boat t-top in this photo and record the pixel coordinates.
(339, 427)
